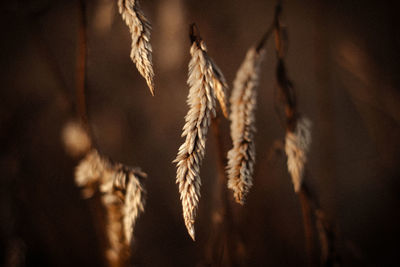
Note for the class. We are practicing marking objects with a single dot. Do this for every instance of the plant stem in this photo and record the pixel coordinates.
(306, 208)
(223, 240)
(81, 65)
(288, 96)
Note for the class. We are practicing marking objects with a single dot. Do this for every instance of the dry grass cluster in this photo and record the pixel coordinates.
(122, 195)
(140, 29)
(121, 187)
(297, 144)
(241, 158)
(205, 82)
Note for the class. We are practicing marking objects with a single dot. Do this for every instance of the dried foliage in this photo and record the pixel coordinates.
(241, 157)
(122, 194)
(203, 79)
(140, 28)
(297, 144)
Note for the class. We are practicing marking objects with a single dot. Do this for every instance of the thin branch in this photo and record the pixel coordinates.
(81, 73)
(306, 208)
(224, 242)
(194, 34)
(265, 38)
(225, 210)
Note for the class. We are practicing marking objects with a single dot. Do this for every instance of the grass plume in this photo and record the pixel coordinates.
(297, 144)
(241, 158)
(140, 29)
(202, 80)
(122, 195)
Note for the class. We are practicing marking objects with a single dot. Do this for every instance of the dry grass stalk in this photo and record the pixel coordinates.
(297, 144)
(298, 140)
(202, 80)
(298, 137)
(241, 157)
(327, 238)
(122, 194)
(323, 235)
(140, 29)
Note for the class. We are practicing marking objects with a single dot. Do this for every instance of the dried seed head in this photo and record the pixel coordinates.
(203, 77)
(89, 172)
(134, 204)
(140, 29)
(122, 185)
(122, 194)
(297, 145)
(241, 157)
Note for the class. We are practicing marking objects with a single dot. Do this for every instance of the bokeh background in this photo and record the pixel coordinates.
(343, 58)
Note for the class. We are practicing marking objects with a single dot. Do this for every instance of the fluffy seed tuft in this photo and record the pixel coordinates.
(297, 145)
(204, 78)
(122, 194)
(241, 158)
(140, 29)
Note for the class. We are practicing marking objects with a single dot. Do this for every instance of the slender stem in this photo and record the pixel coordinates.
(194, 34)
(306, 207)
(224, 240)
(265, 37)
(223, 208)
(81, 64)
(220, 147)
(81, 73)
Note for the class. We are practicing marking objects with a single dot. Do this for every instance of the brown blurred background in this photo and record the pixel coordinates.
(343, 58)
